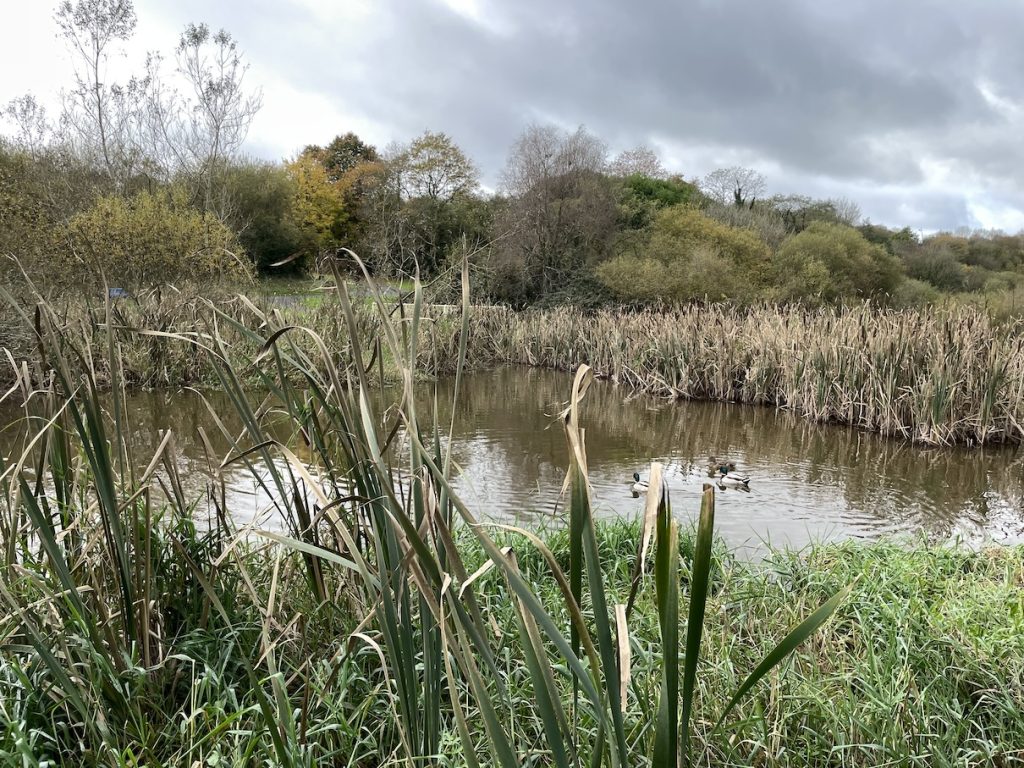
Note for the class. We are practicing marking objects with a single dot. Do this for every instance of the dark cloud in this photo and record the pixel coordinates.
(913, 108)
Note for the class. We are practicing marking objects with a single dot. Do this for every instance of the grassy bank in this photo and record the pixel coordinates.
(920, 666)
(387, 626)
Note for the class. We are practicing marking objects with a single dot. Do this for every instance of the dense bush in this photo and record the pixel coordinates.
(895, 241)
(641, 197)
(829, 262)
(26, 220)
(937, 265)
(38, 192)
(915, 293)
(151, 239)
(689, 257)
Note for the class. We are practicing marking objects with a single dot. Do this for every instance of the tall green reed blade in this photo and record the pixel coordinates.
(429, 631)
(546, 693)
(389, 590)
(502, 748)
(700, 580)
(86, 412)
(579, 488)
(666, 585)
(588, 678)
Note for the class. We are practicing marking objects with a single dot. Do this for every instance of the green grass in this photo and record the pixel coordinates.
(921, 666)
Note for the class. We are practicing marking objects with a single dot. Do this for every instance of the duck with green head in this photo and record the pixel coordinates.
(726, 474)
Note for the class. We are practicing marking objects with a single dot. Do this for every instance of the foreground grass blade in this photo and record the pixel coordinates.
(700, 580)
(580, 511)
(666, 583)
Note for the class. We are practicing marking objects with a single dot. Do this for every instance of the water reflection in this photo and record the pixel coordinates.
(808, 481)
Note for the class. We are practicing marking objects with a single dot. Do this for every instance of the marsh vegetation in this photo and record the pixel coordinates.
(386, 624)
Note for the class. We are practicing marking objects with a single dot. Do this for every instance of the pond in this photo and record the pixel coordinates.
(808, 481)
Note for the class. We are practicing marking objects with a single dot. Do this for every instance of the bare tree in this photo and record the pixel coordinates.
(100, 118)
(847, 211)
(32, 129)
(639, 160)
(561, 212)
(197, 131)
(544, 153)
(734, 185)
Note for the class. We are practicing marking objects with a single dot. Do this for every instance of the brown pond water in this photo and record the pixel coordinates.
(808, 481)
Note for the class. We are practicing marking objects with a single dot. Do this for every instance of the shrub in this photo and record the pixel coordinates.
(830, 262)
(936, 265)
(151, 239)
(641, 197)
(914, 293)
(689, 256)
(895, 241)
(36, 193)
(635, 278)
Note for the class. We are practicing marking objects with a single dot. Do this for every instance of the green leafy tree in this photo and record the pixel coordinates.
(344, 153)
(417, 206)
(936, 264)
(895, 241)
(830, 262)
(261, 210)
(641, 197)
(319, 203)
(433, 166)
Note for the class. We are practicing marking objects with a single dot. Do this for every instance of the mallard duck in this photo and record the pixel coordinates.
(716, 467)
(733, 479)
(639, 486)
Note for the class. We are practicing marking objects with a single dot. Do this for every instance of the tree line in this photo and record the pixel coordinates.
(143, 181)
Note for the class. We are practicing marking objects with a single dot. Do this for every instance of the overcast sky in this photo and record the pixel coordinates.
(912, 108)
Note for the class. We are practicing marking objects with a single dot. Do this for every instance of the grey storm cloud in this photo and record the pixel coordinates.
(915, 108)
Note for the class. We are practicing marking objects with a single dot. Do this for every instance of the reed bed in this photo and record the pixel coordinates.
(932, 376)
(389, 627)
